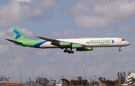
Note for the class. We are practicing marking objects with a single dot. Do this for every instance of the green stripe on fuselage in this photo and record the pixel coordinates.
(33, 43)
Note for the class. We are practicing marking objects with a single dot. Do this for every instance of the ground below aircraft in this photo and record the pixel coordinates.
(80, 44)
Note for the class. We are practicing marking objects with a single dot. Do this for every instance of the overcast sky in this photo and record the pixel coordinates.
(66, 19)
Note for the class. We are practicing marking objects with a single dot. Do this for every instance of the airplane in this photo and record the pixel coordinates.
(80, 44)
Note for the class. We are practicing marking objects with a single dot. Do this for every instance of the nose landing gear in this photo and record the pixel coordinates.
(119, 49)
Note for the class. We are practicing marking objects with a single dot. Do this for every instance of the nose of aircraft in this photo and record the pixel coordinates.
(127, 43)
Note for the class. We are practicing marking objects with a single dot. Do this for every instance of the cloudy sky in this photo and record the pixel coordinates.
(66, 19)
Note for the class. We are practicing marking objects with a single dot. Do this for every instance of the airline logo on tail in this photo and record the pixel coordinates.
(18, 35)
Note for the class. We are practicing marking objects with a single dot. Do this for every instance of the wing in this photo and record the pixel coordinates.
(48, 39)
(65, 44)
(62, 44)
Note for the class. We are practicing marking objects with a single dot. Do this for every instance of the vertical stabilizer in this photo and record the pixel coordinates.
(18, 34)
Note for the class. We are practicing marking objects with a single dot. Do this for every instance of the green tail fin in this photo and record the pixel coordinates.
(18, 34)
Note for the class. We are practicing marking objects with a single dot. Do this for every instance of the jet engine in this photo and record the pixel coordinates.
(84, 49)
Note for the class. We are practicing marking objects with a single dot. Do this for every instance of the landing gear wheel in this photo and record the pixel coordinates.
(72, 52)
(65, 50)
(68, 51)
(119, 49)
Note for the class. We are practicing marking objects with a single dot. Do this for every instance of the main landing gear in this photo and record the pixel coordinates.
(68, 51)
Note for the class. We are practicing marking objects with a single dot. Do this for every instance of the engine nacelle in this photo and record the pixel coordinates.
(65, 44)
(84, 49)
(77, 46)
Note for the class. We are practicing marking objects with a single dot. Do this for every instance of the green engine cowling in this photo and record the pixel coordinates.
(77, 46)
(84, 49)
(68, 44)
(65, 44)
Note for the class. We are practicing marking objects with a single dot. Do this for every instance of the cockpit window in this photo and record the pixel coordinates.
(123, 39)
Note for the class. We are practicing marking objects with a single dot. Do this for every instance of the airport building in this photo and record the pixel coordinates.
(130, 80)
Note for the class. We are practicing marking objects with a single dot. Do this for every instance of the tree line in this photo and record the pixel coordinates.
(101, 80)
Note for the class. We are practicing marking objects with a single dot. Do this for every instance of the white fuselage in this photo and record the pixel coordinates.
(91, 42)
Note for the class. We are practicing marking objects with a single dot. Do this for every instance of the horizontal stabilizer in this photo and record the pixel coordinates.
(16, 42)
